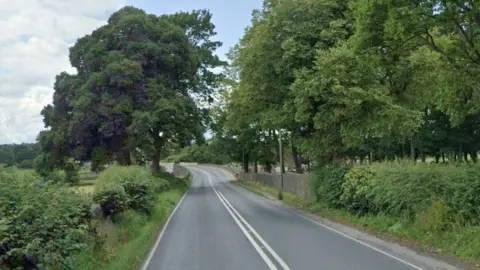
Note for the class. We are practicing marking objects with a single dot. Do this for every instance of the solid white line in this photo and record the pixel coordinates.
(252, 230)
(264, 243)
(157, 242)
(345, 235)
(262, 254)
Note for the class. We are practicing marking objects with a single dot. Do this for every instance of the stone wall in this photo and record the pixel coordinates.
(292, 182)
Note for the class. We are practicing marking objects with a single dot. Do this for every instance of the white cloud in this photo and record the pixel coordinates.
(34, 40)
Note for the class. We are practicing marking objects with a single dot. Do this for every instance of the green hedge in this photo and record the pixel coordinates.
(123, 188)
(41, 222)
(48, 224)
(435, 195)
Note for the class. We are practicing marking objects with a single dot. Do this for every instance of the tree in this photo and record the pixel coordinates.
(136, 79)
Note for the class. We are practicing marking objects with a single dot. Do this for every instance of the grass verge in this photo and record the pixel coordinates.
(128, 242)
(460, 245)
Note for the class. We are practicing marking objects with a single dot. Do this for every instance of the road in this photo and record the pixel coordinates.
(218, 226)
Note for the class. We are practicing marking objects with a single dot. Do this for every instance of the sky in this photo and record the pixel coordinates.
(35, 36)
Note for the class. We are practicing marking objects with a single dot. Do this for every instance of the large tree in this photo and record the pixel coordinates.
(134, 90)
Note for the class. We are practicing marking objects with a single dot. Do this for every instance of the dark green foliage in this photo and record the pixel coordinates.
(135, 90)
(16, 154)
(433, 195)
(26, 164)
(206, 153)
(326, 184)
(412, 190)
(112, 198)
(47, 222)
(122, 188)
(357, 190)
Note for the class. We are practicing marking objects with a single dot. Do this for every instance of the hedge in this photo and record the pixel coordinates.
(41, 223)
(434, 193)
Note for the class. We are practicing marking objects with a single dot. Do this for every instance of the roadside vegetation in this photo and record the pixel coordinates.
(50, 226)
(96, 196)
(377, 99)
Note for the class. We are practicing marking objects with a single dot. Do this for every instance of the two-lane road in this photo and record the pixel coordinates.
(218, 226)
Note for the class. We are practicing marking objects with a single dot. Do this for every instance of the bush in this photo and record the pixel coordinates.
(57, 176)
(26, 164)
(357, 190)
(326, 184)
(412, 189)
(138, 184)
(41, 222)
(112, 198)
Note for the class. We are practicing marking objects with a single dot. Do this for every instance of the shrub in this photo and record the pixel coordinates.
(26, 164)
(57, 176)
(411, 190)
(357, 190)
(112, 198)
(138, 184)
(41, 222)
(71, 172)
(326, 184)
(435, 218)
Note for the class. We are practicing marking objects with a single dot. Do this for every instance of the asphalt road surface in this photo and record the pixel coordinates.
(218, 226)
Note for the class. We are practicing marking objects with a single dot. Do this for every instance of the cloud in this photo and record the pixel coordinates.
(34, 40)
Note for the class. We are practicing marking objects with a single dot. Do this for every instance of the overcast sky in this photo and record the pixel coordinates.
(35, 36)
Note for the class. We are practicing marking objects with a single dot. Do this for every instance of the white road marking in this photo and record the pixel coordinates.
(240, 221)
(264, 243)
(347, 236)
(351, 238)
(157, 242)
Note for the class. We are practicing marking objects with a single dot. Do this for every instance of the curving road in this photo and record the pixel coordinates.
(218, 226)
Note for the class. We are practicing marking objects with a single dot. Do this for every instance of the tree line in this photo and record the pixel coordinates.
(20, 155)
(139, 79)
(360, 79)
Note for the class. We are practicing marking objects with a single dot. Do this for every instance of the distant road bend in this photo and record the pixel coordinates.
(218, 226)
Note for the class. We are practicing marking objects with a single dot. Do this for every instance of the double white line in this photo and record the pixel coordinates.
(250, 232)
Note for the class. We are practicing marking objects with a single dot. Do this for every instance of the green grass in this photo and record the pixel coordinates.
(462, 242)
(128, 243)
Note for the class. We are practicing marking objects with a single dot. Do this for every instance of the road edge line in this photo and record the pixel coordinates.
(339, 232)
(159, 238)
(255, 245)
(258, 236)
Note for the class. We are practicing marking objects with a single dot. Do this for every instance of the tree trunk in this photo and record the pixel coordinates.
(255, 167)
(268, 167)
(123, 157)
(245, 161)
(465, 156)
(298, 166)
(437, 158)
(422, 155)
(155, 164)
(277, 148)
(443, 157)
(403, 150)
(158, 143)
(412, 152)
(474, 156)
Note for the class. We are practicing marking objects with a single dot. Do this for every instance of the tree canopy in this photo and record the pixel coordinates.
(359, 79)
(138, 78)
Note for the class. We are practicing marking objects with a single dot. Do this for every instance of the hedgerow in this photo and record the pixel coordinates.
(47, 224)
(41, 223)
(121, 188)
(433, 195)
